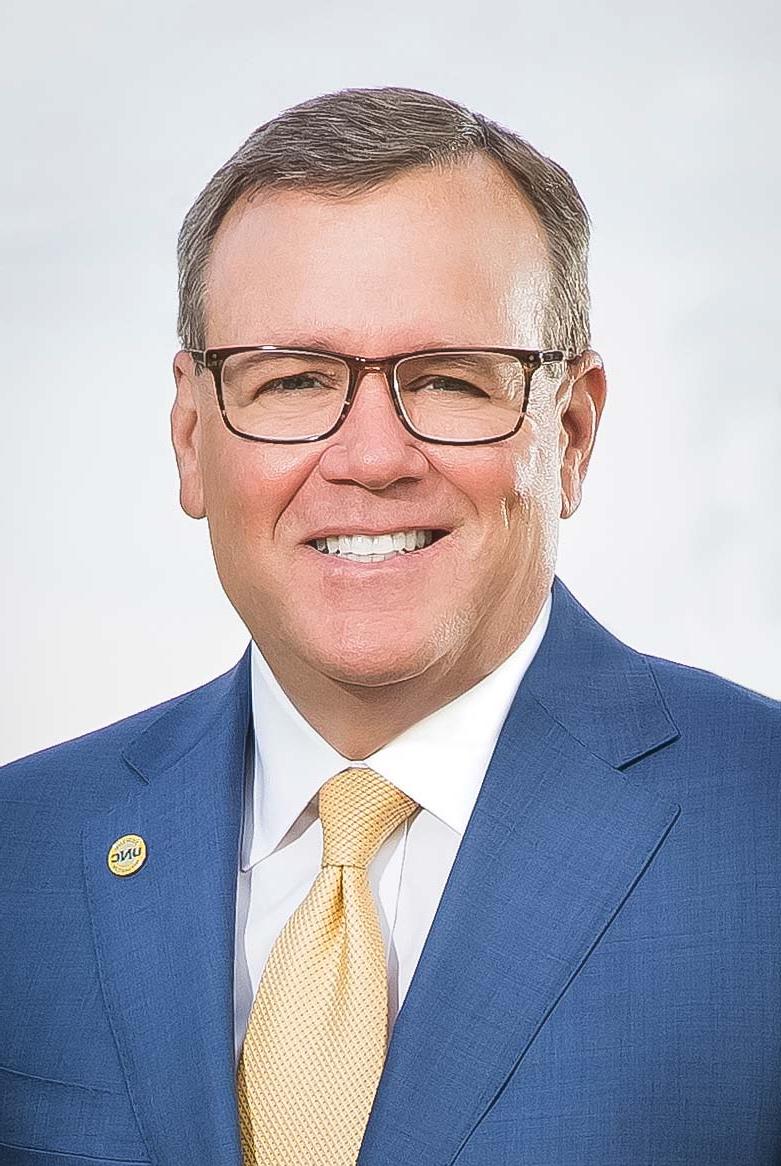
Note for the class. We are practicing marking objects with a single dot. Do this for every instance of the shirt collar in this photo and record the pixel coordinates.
(439, 762)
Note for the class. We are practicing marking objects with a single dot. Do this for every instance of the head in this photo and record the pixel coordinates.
(375, 222)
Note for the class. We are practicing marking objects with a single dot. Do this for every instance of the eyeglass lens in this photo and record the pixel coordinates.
(458, 395)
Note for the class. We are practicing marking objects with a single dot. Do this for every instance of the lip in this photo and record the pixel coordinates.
(339, 568)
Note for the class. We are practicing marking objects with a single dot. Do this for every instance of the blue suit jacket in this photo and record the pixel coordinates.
(600, 985)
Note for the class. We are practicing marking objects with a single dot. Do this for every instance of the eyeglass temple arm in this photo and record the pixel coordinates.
(553, 356)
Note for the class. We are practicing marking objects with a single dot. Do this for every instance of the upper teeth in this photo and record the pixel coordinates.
(379, 544)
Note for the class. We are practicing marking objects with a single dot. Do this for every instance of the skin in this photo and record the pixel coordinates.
(428, 260)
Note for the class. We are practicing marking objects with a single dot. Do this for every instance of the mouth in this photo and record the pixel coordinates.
(365, 552)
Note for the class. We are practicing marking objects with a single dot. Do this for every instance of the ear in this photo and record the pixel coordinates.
(582, 395)
(186, 436)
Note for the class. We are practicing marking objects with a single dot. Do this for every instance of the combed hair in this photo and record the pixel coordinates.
(349, 142)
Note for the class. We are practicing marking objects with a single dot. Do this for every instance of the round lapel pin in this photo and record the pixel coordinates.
(127, 855)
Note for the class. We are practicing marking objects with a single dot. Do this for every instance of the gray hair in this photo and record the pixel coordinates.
(350, 142)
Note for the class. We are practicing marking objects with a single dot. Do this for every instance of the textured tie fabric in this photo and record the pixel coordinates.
(317, 1034)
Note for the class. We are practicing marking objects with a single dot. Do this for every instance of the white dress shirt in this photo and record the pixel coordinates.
(440, 762)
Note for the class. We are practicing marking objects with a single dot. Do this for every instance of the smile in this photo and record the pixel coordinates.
(367, 548)
(339, 562)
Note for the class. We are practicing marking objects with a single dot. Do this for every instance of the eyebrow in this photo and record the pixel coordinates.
(313, 340)
(316, 340)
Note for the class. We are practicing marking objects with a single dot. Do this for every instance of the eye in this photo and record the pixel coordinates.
(445, 385)
(292, 383)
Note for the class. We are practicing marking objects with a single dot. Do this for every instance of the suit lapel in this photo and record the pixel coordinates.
(557, 840)
(164, 936)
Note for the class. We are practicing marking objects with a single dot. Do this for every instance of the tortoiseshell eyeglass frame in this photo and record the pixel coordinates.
(530, 360)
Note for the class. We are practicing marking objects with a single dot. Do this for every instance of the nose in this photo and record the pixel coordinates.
(372, 446)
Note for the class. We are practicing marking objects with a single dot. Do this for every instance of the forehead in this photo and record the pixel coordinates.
(428, 258)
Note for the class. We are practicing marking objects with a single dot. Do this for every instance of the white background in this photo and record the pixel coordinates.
(115, 115)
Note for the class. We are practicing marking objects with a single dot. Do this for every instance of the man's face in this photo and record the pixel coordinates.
(425, 261)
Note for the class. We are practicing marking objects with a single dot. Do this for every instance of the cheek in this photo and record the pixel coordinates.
(530, 490)
(247, 477)
(248, 486)
(520, 476)
(535, 481)
(236, 505)
(535, 460)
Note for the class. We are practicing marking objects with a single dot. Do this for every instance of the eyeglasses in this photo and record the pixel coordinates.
(451, 396)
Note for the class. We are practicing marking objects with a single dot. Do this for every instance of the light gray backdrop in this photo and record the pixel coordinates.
(116, 114)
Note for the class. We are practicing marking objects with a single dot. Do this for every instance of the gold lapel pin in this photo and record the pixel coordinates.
(127, 855)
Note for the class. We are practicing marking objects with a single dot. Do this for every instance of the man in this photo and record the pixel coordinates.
(441, 871)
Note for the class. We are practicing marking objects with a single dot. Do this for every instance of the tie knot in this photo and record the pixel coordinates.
(358, 810)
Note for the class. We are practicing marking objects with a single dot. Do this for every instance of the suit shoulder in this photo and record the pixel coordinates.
(700, 683)
(28, 778)
(731, 715)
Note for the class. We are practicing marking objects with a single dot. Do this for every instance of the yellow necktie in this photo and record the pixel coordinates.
(317, 1034)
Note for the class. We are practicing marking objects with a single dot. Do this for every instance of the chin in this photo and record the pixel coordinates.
(373, 662)
(372, 655)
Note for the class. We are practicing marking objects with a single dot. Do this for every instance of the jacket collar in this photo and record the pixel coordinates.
(598, 689)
